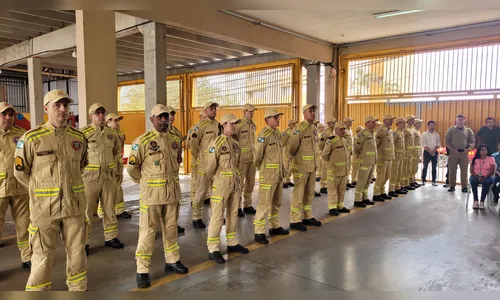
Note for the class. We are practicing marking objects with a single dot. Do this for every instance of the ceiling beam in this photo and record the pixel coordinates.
(228, 28)
(50, 24)
(49, 14)
(20, 31)
(25, 26)
(204, 47)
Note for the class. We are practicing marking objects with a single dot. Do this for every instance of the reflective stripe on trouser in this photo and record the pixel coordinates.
(286, 164)
(454, 160)
(247, 173)
(364, 178)
(270, 198)
(151, 217)
(21, 216)
(106, 192)
(225, 197)
(119, 201)
(405, 171)
(302, 196)
(383, 175)
(336, 192)
(415, 161)
(204, 183)
(324, 175)
(395, 182)
(43, 240)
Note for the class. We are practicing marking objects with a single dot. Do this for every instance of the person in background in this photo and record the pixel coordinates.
(489, 135)
(355, 161)
(495, 187)
(482, 169)
(286, 157)
(431, 141)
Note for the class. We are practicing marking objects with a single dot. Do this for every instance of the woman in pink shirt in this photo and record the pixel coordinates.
(482, 169)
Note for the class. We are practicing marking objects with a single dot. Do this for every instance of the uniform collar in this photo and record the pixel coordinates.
(157, 133)
(5, 132)
(248, 120)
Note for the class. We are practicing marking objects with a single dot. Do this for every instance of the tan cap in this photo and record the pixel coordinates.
(409, 117)
(249, 107)
(56, 95)
(170, 108)
(388, 117)
(378, 122)
(159, 109)
(370, 118)
(348, 119)
(359, 128)
(307, 106)
(4, 106)
(113, 116)
(228, 118)
(399, 120)
(95, 107)
(418, 120)
(292, 121)
(340, 125)
(208, 104)
(320, 125)
(331, 119)
(272, 113)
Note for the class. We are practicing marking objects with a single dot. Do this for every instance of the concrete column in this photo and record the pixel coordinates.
(313, 86)
(35, 91)
(155, 67)
(96, 61)
(330, 86)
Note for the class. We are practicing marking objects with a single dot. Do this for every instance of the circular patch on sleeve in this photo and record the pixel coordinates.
(110, 137)
(174, 146)
(211, 150)
(153, 144)
(76, 145)
(260, 140)
(224, 148)
(135, 147)
(296, 132)
(194, 135)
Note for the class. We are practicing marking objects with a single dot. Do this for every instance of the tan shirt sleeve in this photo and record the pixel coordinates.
(135, 160)
(23, 161)
(213, 159)
(359, 142)
(294, 141)
(258, 154)
(194, 142)
(327, 151)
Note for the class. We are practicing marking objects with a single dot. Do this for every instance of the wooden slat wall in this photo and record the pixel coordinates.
(359, 111)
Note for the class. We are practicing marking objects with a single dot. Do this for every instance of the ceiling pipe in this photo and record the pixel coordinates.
(43, 73)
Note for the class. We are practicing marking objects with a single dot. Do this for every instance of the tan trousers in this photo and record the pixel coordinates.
(364, 179)
(203, 183)
(119, 200)
(324, 175)
(395, 182)
(336, 191)
(355, 169)
(106, 192)
(19, 208)
(405, 172)
(415, 161)
(455, 160)
(225, 197)
(286, 163)
(270, 198)
(349, 177)
(383, 175)
(150, 217)
(43, 238)
(302, 196)
(247, 174)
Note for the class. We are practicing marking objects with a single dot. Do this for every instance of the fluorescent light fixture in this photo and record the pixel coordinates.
(421, 99)
(394, 13)
(472, 97)
(365, 101)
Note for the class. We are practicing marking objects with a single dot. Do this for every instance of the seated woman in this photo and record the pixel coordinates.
(482, 169)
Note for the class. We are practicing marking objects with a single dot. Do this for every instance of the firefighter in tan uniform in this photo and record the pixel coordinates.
(286, 157)
(101, 174)
(319, 166)
(355, 161)
(222, 164)
(348, 135)
(365, 149)
(49, 161)
(417, 152)
(385, 156)
(153, 163)
(268, 159)
(193, 160)
(302, 147)
(409, 137)
(113, 121)
(377, 126)
(328, 132)
(203, 134)
(395, 187)
(13, 193)
(245, 136)
(337, 158)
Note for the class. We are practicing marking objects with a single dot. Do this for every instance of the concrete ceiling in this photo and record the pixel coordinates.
(340, 27)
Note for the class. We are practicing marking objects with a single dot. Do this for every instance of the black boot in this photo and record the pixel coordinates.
(278, 231)
(217, 257)
(409, 188)
(291, 184)
(238, 248)
(87, 249)
(241, 214)
(323, 190)
(298, 226)
(368, 202)
(261, 238)
(311, 221)
(393, 194)
(377, 198)
(143, 280)
(198, 223)
(285, 185)
(124, 215)
(114, 243)
(249, 210)
(26, 265)
(316, 194)
(333, 212)
(344, 210)
(401, 192)
(359, 204)
(180, 229)
(176, 267)
(206, 201)
(384, 196)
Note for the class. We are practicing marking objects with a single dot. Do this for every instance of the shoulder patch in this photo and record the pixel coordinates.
(296, 131)
(19, 163)
(211, 150)
(132, 160)
(20, 144)
(135, 147)
(261, 140)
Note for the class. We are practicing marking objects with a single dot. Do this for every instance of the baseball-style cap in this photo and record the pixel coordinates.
(56, 95)
(370, 118)
(249, 107)
(378, 122)
(460, 116)
(340, 125)
(409, 117)
(331, 119)
(292, 121)
(95, 107)
(307, 106)
(320, 125)
(388, 117)
(159, 109)
(359, 128)
(418, 120)
(113, 116)
(399, 120)
(347, 119)
(171, 109)
(4, 106)
(228, 118)
(208, 104)
(272, 113)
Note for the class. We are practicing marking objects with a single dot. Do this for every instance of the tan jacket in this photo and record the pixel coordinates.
(268, 156)
(417, 143)
(104, 150)
(385, 143)
(399, 144)
(336, 154)
(409, 136)
(222, 163)
(9, 186)
(121, 136)
(49, 162)
(302, 147)
(153, 164)
(203, 134)
(365, 148)
(323, 138)
(245, 136)
(349, 137)
(460, 138)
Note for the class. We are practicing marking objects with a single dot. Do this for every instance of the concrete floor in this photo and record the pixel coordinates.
(426, 240)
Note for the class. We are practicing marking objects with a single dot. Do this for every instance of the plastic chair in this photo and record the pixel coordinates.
(489, 197)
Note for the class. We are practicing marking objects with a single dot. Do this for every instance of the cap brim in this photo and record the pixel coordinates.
(232, 121)
(274, 115)
(161, 112)
(8, 107)
(59, 99)
(115, 118)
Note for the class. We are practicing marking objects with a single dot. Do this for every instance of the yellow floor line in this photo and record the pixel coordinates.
(252, 247)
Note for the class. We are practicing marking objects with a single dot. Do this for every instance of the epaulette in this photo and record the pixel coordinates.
(113, 130)
(147, 138)
(267, 132)
(174, 137)
(76, 133)
(220, 140)
(87, 130)
(37, 133)
(204, 123)
(240, 123)
(18, 129)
